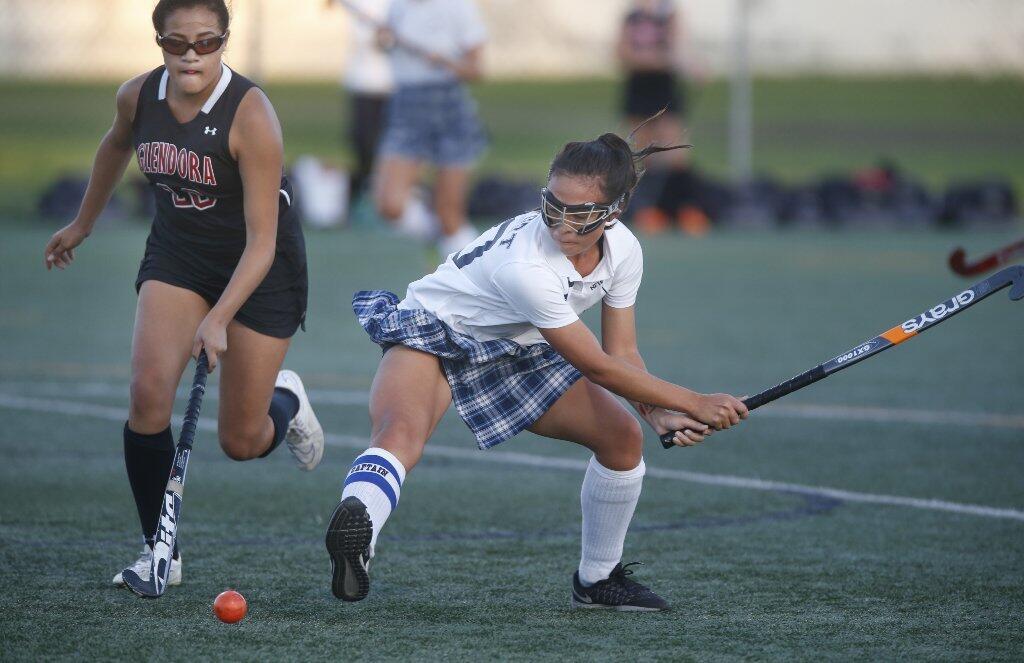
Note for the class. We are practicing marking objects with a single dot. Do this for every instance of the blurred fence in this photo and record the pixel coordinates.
(285, 38)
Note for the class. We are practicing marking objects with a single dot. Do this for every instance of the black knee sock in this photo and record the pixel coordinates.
(148, 459)
(284, 405)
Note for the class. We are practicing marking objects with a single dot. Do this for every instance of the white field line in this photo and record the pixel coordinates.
(894, 415)
(777, 410)
(74, 408)
(115, 390)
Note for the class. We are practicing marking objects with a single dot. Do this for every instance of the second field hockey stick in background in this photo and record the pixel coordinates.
(399, 42)
(1011, 276)
(1009, 253)
(166, 533)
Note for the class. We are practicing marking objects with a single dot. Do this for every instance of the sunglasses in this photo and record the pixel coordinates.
(583, 219)
(205, 46)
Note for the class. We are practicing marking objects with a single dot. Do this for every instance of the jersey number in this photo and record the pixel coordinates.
(464, 259)
(189, 198)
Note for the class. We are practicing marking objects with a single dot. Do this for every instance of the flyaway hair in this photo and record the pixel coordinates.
(610, 159)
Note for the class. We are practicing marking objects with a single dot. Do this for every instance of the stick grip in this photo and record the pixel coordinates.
(195, 401)
(787, 387)
(767, 396)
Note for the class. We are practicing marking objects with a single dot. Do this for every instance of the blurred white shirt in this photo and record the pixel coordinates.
(368, 66)
(445, 27)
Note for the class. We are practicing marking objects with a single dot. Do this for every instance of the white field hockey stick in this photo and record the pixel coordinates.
(170, 510)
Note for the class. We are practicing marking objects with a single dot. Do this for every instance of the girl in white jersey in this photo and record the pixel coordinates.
(496, 330)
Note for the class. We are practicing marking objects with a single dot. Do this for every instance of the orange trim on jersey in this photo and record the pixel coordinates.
(897, 335)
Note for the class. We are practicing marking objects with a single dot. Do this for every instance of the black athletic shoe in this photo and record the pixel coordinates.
(348, 542)
(616, 592)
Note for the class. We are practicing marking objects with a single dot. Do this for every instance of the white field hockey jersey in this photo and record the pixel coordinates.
(513, 280)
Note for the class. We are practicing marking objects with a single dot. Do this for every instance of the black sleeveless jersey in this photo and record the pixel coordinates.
(195, 179)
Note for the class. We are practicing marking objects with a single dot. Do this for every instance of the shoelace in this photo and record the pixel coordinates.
(143, 561)
(146, 558)
(298, 424)
(619, 577)
(623, 570)
(141, 565)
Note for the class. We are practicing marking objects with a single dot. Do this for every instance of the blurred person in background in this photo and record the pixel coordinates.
(436, 48)
(650, 51)
(224, 270)
(368, 81)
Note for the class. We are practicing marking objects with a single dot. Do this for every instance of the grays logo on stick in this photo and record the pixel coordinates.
(939, 312)
(1010, 277)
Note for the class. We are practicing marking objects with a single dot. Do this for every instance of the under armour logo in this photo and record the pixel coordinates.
(210, 132)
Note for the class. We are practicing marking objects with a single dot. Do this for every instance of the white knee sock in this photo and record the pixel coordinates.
(608, 499)
(376, 479)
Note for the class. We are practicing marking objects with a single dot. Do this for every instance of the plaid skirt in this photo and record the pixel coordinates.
(499, 388)
(436, 123)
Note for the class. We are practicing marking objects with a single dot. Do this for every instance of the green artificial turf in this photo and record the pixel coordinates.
(476, 562)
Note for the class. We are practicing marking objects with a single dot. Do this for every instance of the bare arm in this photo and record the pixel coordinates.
(470, 66)
(256, 143)
(112, 157)
(619, 339)
(621, 372)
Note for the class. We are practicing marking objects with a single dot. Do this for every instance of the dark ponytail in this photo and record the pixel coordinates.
(165, 8)
(609, 159)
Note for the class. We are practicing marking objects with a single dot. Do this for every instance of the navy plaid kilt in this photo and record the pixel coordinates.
(499, 387)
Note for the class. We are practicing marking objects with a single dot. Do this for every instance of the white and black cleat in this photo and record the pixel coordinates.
(305, 436)
(616, 592)
(348, 543)
(142, 566)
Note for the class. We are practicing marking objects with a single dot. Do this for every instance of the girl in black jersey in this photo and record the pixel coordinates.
(225, 265)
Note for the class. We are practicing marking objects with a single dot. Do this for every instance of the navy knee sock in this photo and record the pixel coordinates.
(148, 459)
(284, 405)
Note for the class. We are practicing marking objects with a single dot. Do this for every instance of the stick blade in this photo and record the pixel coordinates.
(147, 589)
(958, 262)
(159, 574)
(1017, 290)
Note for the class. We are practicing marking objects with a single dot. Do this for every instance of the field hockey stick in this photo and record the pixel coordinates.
(400, 42)
(958, 259)
(170, 510)
(1010, 276)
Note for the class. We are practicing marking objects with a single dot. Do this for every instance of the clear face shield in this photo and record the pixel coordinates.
(581, 219)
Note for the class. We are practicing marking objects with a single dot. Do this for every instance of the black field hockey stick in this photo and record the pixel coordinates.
(1010, 276)
(1009, 253)
(170, 510)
